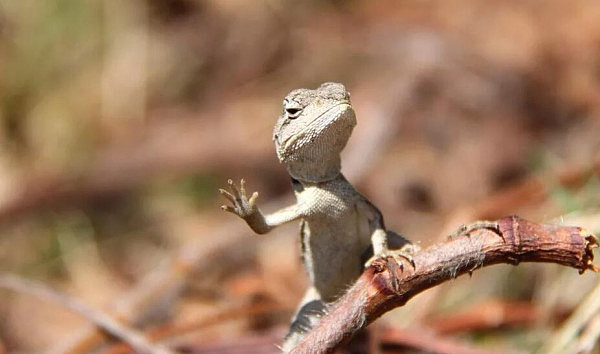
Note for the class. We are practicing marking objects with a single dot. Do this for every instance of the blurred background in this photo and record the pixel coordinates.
(119, 120)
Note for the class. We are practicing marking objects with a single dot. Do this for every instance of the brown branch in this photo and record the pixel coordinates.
(528, 192)
(387, 284)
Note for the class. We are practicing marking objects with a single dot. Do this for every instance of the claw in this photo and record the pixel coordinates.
(409, 258)
(241, 205)
(399, 263)
(407, 252)
(228, 209)
(459, 231)
(398, 255)
(467, 229)
(243, 188)
(252, 199)
(369, 262)
(227, 195)
(234, 189)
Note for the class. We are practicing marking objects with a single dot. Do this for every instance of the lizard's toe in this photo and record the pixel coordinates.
(384, 254)
(398, 256)
(252, 200)
(228, 209)
(468, 229)
(227, 195)
(405, 253)
(370, 261)
(241, 204)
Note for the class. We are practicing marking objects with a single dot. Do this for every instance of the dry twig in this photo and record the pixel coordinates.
(566, 336)
(133, 338)
(493, 313)
(427, 341)
(589, 337)
(387, 284)
(172, 330)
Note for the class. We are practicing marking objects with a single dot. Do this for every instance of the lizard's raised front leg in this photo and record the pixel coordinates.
(247, 209)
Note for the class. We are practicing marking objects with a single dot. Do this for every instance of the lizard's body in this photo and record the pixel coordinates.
(332, 216)
(340, 228)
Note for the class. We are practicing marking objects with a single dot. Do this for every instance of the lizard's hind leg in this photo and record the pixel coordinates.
(310, 310)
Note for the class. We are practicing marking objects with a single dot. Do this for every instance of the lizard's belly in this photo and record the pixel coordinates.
(334, 236)
(333, 250)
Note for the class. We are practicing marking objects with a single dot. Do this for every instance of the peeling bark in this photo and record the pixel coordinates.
(387, 284)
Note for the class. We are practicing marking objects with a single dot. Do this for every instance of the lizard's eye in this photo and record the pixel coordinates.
(293, 112)
(291, 108)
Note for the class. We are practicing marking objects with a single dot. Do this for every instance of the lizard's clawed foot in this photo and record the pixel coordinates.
(242, 205)
(467, 229)
(406, 252)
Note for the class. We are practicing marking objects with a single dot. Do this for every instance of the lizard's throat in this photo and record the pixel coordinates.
(319, 169)
(313, 154)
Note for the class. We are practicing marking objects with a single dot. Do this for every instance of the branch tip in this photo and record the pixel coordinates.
(388, 283)
(588, 256)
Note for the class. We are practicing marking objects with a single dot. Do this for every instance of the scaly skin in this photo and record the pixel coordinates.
(340, 228)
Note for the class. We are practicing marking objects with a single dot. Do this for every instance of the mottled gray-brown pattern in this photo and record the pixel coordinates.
(340, 228)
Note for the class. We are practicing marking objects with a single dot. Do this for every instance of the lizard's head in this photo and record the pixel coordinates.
(312, 131)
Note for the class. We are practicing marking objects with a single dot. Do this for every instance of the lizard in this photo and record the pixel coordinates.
(341, 230)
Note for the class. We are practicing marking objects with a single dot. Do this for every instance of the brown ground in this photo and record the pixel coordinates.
(119, 121)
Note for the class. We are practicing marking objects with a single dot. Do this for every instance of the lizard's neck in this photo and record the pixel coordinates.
(299, 185)
(317, 170)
